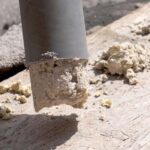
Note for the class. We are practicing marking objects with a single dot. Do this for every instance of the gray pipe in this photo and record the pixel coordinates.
(53, 25)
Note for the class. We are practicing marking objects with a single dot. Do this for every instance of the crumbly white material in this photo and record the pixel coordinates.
(58, 81)
(123, 59)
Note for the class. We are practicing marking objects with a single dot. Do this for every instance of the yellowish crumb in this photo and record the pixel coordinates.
(106, 103)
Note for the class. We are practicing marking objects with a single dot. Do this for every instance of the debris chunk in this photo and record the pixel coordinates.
(119, 59)
(106, 103)
(5, 112)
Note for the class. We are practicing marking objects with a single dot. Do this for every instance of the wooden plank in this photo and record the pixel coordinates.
(126, 125)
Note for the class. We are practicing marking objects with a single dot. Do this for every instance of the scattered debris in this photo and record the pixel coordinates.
(16, 88)
(106, 103)
(5, 112)
(121, 57)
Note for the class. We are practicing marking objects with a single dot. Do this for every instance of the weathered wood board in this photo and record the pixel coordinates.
(126, 125)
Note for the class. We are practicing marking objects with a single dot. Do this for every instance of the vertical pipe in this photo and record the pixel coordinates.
(53, 25)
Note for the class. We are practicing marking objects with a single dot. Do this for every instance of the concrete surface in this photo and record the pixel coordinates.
(125, 126)
(9, 14)
(11, 49)
(97, 12)
(104, 12)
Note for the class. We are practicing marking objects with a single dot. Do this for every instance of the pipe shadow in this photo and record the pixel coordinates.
(40, 132)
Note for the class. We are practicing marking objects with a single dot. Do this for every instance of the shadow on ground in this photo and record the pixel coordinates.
(40, 132)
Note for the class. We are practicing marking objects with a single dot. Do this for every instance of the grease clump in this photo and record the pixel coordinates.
(123, 59)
